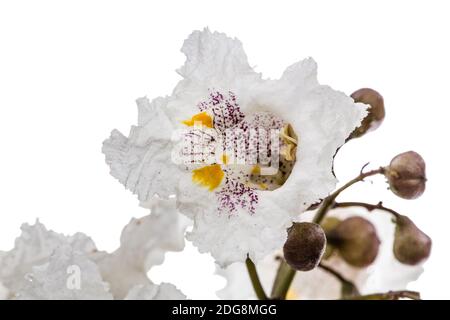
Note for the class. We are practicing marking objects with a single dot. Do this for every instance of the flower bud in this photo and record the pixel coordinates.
(304, 246)
(406, 175)
(356, 240)
(411, 245)
(375, 114)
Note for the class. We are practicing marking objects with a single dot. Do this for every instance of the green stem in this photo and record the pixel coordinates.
(257, 286)
(391, 295)
(283, 281)
(329, 201)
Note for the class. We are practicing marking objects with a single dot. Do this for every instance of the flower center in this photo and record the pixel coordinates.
(234, 154)
(277, 171)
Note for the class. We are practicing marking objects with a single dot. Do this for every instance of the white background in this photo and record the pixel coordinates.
(70, 72)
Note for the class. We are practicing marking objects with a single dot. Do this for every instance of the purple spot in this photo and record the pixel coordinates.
(235, 195)
(226, 110)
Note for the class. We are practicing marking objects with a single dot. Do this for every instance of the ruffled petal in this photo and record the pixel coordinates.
(231, 238)
(143, 244)
(68, 275)
(213, 58)
(43, 263)
(34, 247)
(215, 63)
(142, 162)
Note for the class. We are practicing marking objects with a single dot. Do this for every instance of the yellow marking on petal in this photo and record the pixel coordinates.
(291, 295)
(263, 186)
(209, 176)
(256, 170)
(202, 117)
(224, 159)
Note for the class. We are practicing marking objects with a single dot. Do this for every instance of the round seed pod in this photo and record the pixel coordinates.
(356, 240)
(304, 246)
(406, 175)
(376, 111)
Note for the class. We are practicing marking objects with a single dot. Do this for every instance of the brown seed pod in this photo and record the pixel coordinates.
(406, 175)
(411, 245)
(356, 240)
(376, 112)
(304, 246)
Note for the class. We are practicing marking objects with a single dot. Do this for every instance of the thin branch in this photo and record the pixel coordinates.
(257, 286)
(368, 206)
(329, 201)
(391, 295)
(348, 288)
(283, 280)
(334, 273)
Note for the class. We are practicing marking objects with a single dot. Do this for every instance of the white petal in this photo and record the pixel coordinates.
(142, 162)
(143, 244)
(231, 238)
(68, 275)
(34, 247)
(45, 257)
(4, 292)
(164, 291)
(212, 58)
(238, 285)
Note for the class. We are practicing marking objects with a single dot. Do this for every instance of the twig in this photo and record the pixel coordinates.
(348, 287)
(391, 295)
(257, 286)
(368, 206)
(334, 273)
(329, 201)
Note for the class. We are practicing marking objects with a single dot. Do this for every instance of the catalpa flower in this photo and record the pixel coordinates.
(385, 274)
(243, 155)
(48, 265)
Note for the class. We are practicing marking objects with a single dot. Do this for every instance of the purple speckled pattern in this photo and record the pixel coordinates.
(235, 193)
(225, 109)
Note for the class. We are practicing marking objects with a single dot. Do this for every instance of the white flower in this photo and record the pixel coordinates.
(143, 244)
(48, 265)
(238, 208)
(385, 274)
